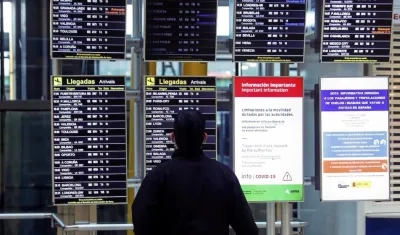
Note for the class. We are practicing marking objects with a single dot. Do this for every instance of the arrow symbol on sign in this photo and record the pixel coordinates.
(287, 191)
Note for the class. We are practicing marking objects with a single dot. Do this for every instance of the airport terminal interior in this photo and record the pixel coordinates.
(88, 89)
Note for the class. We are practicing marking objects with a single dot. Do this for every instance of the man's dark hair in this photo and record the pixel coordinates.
(189, 129)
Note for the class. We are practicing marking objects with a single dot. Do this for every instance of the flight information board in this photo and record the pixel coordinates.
(180, 30)
(89, 140)
(269, 31)
(88, 29)
(357, 31)
(165, 97)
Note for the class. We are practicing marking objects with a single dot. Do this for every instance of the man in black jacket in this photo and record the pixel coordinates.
(191, 194)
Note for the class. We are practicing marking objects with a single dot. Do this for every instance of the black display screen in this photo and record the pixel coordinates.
(269, 31)
(180, 30)
(165, 97)
(89, 140)
(88, 29)
(357, 31)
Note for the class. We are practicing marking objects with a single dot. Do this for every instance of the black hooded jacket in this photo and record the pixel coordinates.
(191, 196)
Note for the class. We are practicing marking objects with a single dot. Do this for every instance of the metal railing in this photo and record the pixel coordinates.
(135, 182)
(57, 222)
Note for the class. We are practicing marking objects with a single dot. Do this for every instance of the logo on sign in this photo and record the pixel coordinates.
(361, 184)
(57, 81)
(150, 81)
(343, 185)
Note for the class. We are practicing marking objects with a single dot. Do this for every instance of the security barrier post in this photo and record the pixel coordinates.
(286, 206)
(271, 217)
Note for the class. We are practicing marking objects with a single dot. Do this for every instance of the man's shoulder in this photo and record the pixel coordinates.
(219, 164)
(222, 168)
(159, 169)
(169, 166)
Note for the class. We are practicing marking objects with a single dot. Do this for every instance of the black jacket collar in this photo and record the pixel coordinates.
(187, 155)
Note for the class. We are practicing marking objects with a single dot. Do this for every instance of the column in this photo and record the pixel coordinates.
(150, 69)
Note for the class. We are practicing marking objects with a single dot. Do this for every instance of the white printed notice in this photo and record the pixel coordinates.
(268, 119)
(354, 138)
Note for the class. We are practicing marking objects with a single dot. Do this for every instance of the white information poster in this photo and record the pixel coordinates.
(268, 134)
(354, 138)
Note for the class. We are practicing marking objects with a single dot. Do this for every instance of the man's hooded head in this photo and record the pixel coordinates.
(189, 131)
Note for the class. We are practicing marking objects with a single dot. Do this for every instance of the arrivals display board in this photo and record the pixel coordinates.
(180, 30)
(356, 31)
(354, 126)
(268, 137)
(88, 29)
(165, 97)
(89, 140)
(269, 31)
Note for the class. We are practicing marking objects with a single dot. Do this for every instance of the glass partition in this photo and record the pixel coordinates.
(25, 171)
(25, 144)
(340, 216)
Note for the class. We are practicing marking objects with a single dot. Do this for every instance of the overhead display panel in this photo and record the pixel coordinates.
(269, 31)
(88, 29)
(354, 125)
(357, 31)
(89, 140)
(180, 30)
(165, 97)
(269, 164)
